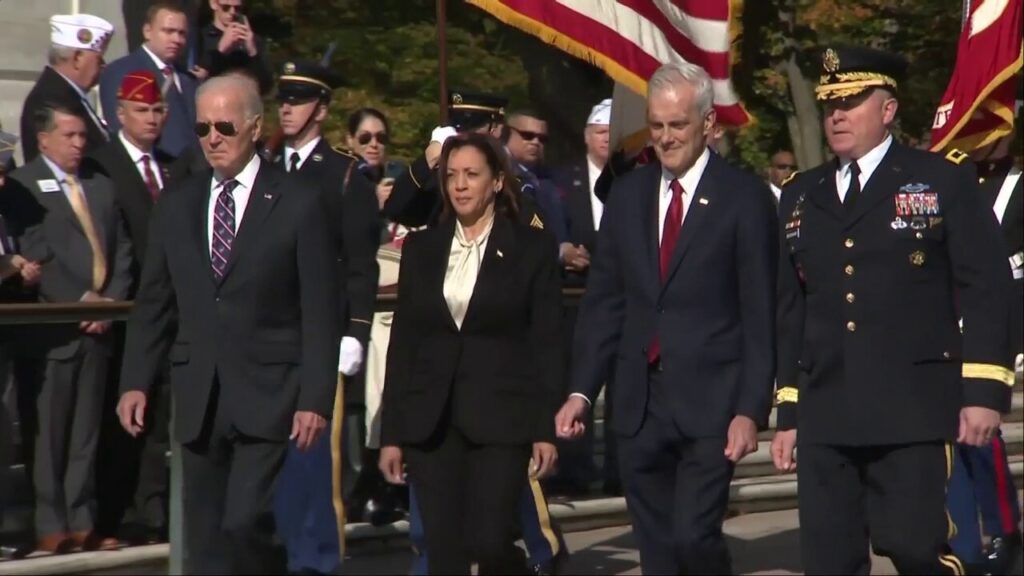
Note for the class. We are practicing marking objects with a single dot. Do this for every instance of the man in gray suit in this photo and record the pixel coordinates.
(73, 227)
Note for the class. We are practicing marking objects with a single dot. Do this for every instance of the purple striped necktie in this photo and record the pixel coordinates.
(223, 229)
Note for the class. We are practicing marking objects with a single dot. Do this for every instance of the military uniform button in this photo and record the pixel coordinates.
(851, 326)
(848, 243)
(945, 355)
(850, 297)
(919, 236)
(849, 269)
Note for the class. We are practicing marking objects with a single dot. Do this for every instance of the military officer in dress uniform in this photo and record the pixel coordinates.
(308, 505)
(883, 250)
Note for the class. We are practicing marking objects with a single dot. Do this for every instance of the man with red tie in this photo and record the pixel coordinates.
(135, 480)
(680, 301)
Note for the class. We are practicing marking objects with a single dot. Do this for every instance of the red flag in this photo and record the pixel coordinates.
(977, 108)
(630, 39)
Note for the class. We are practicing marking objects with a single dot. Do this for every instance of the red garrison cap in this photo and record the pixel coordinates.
(140, 86)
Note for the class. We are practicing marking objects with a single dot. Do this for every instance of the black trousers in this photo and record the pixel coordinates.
(469, 500)
(229, 482)
(677, 491)
(893, 497)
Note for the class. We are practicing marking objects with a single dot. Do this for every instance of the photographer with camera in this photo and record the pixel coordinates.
(228, 42)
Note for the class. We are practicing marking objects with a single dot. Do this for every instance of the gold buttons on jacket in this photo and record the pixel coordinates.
(848, 269)
(848, 243)
(917, 258)
(919, 236)
(850, 297)
(851, 326)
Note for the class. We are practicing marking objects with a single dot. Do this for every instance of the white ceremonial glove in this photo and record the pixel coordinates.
(442, 133)
(350, 356)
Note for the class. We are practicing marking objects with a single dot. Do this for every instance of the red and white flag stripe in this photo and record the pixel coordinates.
(630, 39)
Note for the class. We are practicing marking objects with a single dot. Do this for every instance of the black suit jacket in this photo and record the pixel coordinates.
(133, 196)
(53, 88)
(266, 332)
(502, 373)
(715, 316)
(574, 183)
(355, 223)
(869, 302)
(1013, 219)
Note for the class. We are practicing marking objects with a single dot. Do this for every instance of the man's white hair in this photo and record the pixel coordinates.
(250, 95)
(670, 76)
(57, 54)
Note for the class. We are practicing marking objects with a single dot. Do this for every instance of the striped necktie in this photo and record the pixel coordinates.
(223, 229)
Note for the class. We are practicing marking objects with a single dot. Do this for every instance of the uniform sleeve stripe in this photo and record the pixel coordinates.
(787, 394)
(413, 176)
(989, 372)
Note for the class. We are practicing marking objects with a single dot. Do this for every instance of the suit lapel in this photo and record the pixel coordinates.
(493, 272)
(882, 185)
(648, 204)
(262, 198)
(700, 202)
(438, 268)
(199, 213)
(55, 200)
(824, 193)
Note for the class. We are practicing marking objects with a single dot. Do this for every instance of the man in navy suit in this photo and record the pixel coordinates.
(680, 299)
(166, 31)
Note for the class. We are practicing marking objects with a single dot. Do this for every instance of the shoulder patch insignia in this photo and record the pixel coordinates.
(956, 156)
(790, 178)
(345, 152)
(536, 222)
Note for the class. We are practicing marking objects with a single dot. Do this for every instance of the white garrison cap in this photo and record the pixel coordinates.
(602, 113)
(81, 31)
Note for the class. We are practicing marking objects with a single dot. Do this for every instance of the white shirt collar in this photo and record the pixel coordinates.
(134, 151)
(691, 178)
(59, 174)
(868, 162)
(247, 177)
(304, 152)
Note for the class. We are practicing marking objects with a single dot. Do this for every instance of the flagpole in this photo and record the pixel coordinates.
(442, 59)
(965, 13)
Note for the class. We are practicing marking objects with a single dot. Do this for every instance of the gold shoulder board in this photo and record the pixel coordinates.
(956, 156)
(790, 178)
(345, 152)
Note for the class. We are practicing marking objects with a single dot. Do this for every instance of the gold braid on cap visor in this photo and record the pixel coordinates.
(845, 84)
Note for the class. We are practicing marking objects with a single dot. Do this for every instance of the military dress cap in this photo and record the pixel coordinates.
(849, 70)
(467, 110)
(81, 31)
(140, 86)
(7, 144)
(303, 81)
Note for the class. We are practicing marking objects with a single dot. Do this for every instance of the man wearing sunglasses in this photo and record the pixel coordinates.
(239, 291)
(307, 520)
(229, 42)
(783, 165)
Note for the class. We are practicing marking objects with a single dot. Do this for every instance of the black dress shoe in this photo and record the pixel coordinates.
(1003, 553)
(135, 534)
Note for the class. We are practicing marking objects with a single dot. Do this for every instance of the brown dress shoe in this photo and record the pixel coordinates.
(88, 541)
(56, 543)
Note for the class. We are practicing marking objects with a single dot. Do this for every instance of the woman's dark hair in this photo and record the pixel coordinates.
(356, 118)
(506, 203)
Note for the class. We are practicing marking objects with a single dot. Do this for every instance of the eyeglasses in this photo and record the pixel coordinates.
(530, 136)
(224, 128)
(365, 137)
(784, 166)
(230, 7)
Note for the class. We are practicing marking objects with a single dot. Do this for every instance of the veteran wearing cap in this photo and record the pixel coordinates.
(77, 45)
(308, 505)
(882, 251)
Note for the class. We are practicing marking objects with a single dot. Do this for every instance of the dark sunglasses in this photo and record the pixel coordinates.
(528, 136)
(230, 7)
(365, 137)
(223, 128)
(784, 166)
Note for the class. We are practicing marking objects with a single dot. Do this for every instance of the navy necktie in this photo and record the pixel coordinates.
(223, 229)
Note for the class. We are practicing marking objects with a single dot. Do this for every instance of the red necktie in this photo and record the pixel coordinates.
(669, 235)
(168, 73)
(150, 177)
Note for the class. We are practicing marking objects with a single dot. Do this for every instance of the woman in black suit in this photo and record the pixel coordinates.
(474, 367)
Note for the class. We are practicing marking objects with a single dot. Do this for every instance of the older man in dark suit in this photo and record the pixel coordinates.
(240, 292)
(77, 232)
(680, 296)
(166, 32)
(77, 45)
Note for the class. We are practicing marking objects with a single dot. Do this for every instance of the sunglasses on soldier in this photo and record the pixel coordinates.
(365, 137)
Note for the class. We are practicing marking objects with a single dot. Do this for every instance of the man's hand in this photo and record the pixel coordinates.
(350, 356)
(247, 37)
(569, 420)
(384, 189)
(742, 438)
(199, 72)
(575, 258)
(977, 425)
(390, 464)
(306, 428)
(30, 271)
(232, 35)
(131, 410)
(783, 447)
(545, 456)
(96, 328)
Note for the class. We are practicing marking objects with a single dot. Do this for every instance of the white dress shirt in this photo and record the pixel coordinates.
(136, 155)
(776, 191)
(867, 165)
(246, 178)
(690, 179)
(304, 153)
(160, 65)
(596, 206)
(464, 262)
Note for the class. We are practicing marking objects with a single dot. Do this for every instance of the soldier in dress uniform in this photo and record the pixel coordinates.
(883, 250)
(309, 505)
